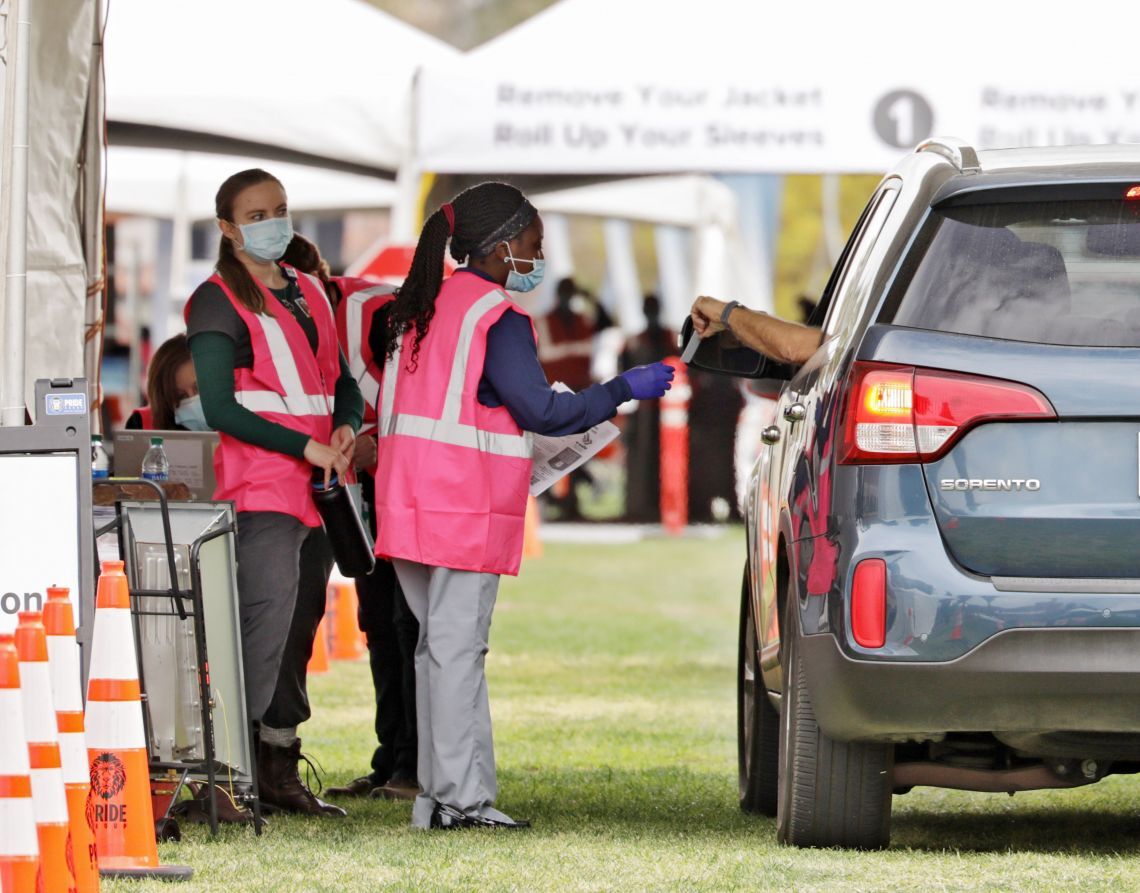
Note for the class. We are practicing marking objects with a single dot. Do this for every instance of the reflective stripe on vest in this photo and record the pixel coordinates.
(353, 323)
(295, 401)
(448, 429)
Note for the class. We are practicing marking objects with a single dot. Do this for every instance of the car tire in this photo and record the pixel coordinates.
(757, 722)
(832, 793)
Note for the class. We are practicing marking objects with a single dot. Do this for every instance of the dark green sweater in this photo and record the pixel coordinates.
(219, 343)
(213, 355)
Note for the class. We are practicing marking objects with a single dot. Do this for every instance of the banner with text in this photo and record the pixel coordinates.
(489, 122)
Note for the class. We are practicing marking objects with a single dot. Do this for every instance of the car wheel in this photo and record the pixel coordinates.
(832, 793)
(757, 722)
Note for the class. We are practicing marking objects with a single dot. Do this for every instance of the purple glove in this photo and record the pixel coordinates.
(649, 382)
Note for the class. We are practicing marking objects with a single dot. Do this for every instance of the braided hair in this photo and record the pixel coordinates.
(232, 270)
(476, 221)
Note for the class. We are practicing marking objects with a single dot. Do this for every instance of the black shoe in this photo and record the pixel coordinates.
(504, 824)
(447, 818)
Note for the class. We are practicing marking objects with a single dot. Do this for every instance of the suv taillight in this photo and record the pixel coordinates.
(907, 414)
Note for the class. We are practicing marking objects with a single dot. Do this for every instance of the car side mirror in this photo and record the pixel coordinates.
(723, 354)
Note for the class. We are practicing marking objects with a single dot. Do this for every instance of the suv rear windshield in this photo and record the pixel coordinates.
(1051, 272)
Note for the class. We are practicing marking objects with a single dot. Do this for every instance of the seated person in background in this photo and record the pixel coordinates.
(171, 392)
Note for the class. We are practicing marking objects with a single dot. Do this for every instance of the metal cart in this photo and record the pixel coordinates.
(180, 571)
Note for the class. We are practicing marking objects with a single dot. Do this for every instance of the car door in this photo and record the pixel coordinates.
(787, 484)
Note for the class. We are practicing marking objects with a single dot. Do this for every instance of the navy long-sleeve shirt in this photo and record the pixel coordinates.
(513, 377)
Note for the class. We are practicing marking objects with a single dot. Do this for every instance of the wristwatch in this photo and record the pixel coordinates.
(727, 312)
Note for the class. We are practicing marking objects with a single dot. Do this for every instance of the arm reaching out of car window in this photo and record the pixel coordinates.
(779, 339)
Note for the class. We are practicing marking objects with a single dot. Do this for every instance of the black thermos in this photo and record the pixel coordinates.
(343, 525)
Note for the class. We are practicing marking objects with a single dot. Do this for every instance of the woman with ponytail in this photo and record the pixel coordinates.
(462, 391)
(275, 386)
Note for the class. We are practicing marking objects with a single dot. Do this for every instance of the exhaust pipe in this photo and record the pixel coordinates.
(1068, 774)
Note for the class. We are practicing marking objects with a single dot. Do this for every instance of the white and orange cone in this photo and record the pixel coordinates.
(67, 698)
(120, 807)
(19, 849)
(48, 795)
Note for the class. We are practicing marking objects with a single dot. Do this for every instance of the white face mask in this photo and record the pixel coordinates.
(524, 282)
(266, 240)
(190, 415)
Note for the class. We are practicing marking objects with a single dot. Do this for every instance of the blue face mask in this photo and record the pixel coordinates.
(189, 415)
(523, 282)
(267, 240)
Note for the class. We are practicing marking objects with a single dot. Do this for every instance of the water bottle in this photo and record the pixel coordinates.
(155, 466)
(343, 526)
(100, 462)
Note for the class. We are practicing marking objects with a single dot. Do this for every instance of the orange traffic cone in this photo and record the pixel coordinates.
(532, 535)
(63, 654)
(319, 661)
(346, 632)
(49, 798)
(674, 439)
(119, 807)
(19, 851)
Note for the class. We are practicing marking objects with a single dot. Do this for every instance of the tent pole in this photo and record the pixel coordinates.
(15, 298)
(407, 213)
(832, 225)
(621, 269)
(93, 234)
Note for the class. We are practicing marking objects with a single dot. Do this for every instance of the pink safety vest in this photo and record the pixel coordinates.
(360, 299)
(287, 385)
(453, 475)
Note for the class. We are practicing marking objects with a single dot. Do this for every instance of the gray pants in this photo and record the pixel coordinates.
(290, 705)
(456, 764)
(268, 556)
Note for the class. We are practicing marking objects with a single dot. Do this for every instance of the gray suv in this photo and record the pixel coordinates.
(942, 583)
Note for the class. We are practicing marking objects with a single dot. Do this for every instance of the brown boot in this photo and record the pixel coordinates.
(279, 783)
(398, 789)
(358, 787)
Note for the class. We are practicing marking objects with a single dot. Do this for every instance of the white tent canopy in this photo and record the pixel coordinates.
(731, 86)
(714, 264)
(329, 79)
(169, 184)
(48, 324)
(693, 200)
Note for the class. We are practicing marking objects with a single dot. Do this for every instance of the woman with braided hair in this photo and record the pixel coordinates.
(462, 391)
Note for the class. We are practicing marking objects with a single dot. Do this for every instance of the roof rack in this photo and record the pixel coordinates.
(956, 151)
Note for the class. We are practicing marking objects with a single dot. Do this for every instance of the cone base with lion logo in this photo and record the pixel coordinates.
(118, 807)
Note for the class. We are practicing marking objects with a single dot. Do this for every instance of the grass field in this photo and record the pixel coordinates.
(612, 673)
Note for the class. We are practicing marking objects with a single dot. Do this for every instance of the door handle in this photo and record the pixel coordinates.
(795, 412)
(770, 435)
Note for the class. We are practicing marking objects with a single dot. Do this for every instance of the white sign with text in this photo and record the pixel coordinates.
(39, 530)
(485, 121)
